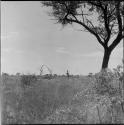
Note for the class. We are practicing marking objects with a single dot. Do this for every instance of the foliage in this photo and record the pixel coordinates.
(103, 19)
(101, 102)
(28, 79)
(80, 12)
(103, 82)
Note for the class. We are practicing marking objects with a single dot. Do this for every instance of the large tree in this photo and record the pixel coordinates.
(103, 19)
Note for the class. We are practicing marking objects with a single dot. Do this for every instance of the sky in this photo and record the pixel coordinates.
(31, 38)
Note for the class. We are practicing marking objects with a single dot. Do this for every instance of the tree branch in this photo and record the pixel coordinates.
(88, 21)
(119, 36)
(105, 17)
(106, 23)
(96, 4)
(87, 28)
(82, 14)
(119, 18)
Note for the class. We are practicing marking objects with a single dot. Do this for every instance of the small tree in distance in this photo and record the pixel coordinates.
(67, 73)
(49, 70)
(103, 19)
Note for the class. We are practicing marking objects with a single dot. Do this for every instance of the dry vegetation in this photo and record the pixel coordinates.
(96, 98)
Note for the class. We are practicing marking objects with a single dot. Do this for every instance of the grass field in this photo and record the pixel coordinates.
(95, 99)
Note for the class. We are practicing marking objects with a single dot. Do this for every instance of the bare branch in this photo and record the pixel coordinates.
(123, 28)
(96, 4)
(119, 36)
(82, 14)
(119, 17)
(90, 23)
(102, 36)
(89, 29)
(75, 17)
(111, 13)
(113, 24)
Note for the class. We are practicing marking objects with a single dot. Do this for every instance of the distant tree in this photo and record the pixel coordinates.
(26, 80)
(5, 74)
(17, 74)
(90, 74)
(41, 70)
(103, 19)
(67, 73)
(55, 75)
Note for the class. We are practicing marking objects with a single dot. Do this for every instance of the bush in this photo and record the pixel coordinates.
(47, 76)
(28, 79)
(104, 81)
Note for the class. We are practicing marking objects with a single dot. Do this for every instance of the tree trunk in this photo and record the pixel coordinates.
(106, 57)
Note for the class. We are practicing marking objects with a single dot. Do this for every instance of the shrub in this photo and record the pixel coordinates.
(103, 82)
(28, 79)
(47, 76)
(90, 74)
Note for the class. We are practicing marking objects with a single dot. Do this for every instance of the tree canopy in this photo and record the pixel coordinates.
(103, 19)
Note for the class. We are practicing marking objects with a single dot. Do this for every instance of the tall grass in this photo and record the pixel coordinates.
(95, 99)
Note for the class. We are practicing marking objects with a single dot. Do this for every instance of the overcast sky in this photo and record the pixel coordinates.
(29, 39)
